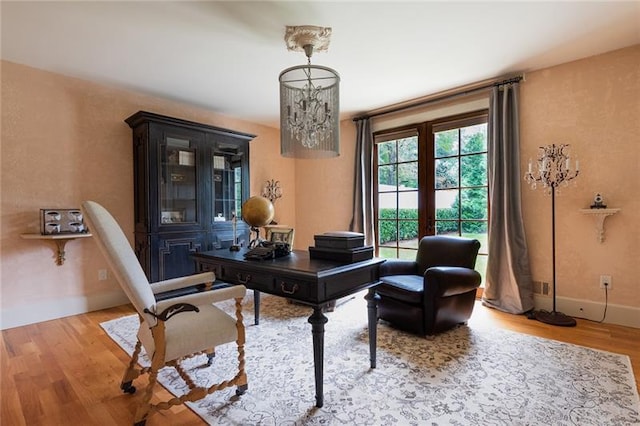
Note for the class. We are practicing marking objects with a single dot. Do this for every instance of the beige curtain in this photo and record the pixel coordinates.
(508, 284)
(362, 218)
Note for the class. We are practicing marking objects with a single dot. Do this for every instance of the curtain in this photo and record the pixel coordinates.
(362, 219)
(508, 284)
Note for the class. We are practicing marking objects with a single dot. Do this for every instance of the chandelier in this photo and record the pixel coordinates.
(309, 99)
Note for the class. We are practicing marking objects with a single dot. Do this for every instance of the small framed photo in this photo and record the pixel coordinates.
(282, 234)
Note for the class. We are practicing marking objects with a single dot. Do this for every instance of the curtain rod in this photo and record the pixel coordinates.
(454, 93)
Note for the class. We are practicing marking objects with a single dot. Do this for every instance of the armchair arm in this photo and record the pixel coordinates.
(398, 267)
(444, 281)
(182, 282)
(204, 298)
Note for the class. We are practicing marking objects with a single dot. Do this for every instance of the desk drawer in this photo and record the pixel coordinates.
(254, 281)
(293, 289)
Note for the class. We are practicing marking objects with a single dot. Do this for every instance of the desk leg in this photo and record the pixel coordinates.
(256, 307)
(372, 310)
(317, 321)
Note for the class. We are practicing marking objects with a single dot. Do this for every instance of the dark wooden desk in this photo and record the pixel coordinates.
(313, 282)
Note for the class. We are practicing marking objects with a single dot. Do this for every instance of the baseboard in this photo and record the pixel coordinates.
(17, 316)
(616, 314)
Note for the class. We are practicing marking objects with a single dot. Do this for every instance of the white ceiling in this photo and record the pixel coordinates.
(226, 56)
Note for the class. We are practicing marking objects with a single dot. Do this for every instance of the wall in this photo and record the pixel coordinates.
(594, 105)
(64, 141)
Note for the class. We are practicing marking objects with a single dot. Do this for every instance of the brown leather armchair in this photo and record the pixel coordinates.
(433, 293)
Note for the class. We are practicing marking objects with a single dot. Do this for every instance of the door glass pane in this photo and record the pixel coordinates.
(474, 170)
(474, 203)
(387, 152)
(474, 138)
(177, 182)
(408, 149)
(446, 173)
(447, 227)
(407, 176)
(387, 233)
(407, 254)
(477, 230)
(387, 178)
(387, 205)
(408, 230)
(447, 204)
(446, 143)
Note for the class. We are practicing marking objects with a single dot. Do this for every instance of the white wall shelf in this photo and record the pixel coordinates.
(59, 239)
(600, 215)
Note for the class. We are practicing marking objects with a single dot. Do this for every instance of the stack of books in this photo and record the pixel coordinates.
(341, 246)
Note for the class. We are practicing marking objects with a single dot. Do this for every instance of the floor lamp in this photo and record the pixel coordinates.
(553, 169)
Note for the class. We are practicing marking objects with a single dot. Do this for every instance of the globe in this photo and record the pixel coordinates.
(258, 211)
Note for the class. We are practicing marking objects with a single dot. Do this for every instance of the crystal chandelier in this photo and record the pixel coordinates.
(309, 99)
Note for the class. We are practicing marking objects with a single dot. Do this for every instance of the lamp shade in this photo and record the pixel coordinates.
(309, 112)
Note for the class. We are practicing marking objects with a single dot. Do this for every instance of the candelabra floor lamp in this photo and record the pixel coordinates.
(553, 169)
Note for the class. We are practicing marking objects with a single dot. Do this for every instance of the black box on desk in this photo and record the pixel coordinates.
(352, 255)
(339, 240)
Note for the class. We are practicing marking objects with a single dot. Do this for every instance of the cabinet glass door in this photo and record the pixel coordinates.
(227, 187)
(178, 187)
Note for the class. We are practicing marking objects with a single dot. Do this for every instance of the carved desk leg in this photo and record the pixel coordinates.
(372, 311)
(317, 321)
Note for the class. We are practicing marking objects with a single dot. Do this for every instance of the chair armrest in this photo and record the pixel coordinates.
(182, 282)
(204, 298)
(444, 281)
(398, 267)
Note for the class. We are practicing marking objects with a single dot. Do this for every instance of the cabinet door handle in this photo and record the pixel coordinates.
(291, 290)
(245, 280)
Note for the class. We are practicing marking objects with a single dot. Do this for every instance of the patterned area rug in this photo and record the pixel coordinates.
(468, 376)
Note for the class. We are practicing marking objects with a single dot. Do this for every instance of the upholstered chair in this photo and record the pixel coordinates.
(171, 329)
(433, 293)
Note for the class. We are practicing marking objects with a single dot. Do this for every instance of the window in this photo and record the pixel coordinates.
(432, 180)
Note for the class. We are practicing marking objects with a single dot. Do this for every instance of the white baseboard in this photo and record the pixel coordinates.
(17, 316)
(616, 314)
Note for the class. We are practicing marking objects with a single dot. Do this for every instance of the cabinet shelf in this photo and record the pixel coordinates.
(600, 215)
(59, 239)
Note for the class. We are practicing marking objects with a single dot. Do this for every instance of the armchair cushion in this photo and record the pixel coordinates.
(408, 288)
(201, 332)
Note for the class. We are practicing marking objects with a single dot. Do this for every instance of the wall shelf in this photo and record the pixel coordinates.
(600, 215)
(59, 239)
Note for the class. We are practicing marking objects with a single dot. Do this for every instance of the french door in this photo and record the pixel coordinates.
(431, 179)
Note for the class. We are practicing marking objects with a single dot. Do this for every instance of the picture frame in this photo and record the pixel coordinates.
(280, 233)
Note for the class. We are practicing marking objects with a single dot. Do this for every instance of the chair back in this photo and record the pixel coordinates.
(120, 256)
(443, 250)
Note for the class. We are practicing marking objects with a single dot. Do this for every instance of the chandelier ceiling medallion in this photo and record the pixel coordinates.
(309, 99)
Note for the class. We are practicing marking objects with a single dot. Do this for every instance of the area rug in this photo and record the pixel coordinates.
(471, 375)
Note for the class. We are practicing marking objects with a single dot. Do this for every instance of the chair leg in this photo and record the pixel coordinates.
(145, 405)
(132, 372)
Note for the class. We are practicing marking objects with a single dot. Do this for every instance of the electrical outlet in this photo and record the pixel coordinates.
(605, 281)
(102, 274)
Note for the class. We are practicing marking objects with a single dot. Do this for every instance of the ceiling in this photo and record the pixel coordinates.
(226, 56)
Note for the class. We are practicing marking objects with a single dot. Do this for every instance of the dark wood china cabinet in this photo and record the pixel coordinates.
(190, 180)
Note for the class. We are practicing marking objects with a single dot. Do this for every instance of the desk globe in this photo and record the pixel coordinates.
(257, 211)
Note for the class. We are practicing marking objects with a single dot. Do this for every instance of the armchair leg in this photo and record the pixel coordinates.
(132, 372)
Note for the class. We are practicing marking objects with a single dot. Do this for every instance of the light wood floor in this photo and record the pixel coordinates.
(68, 371)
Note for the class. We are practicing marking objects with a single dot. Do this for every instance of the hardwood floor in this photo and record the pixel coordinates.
(68, 371)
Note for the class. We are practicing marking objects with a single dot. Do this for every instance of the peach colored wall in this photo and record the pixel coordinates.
(63, 141)
(324, 191)
(592, 104)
